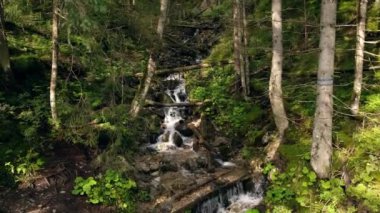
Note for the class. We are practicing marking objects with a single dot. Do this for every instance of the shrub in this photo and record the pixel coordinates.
(110, 189)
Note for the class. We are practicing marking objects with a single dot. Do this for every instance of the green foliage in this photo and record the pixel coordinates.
(230, 113)
(110, 189)
(21, 168)
(298, 188)
(364, 163)
(252, 211)
(372, 103)
(281, 209)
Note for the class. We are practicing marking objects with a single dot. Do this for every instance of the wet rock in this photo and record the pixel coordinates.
(177, 139)
(154, 166)
(202, 162)
(155, 174)
(174, 181)
(153, 138)
(191, 165)
(186, 132)
(165, 137)
(168, 166)
(219, 141)
(142, 167)
(182, 96)
(164, 207)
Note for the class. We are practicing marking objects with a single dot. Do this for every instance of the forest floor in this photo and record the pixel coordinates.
(50, 189)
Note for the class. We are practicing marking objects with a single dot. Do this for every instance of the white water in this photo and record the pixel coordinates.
(173, 117)
(235, 200)
(245, 201)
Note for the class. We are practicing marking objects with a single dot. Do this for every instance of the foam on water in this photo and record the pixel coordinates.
(235, 199)
(173, 117)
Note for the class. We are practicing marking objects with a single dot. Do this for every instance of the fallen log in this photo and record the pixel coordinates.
(187, 68)
(190, 197)
(150, 103)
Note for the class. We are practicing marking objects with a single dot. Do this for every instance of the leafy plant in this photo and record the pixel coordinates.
(110, 189)
(25, 166)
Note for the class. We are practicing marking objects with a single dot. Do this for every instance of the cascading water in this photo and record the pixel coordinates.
(235, 199)
(168, 140)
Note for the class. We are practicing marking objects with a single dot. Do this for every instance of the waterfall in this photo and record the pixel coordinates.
(171, 138)
(235, 199)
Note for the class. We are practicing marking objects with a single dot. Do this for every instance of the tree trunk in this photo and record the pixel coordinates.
(4, 52)
(246, 87)
(138, 101)
(241, 63)
(275, 88)
(163, 17)
(54, 64)
(236, 23)
(321, 151)
(359, 53)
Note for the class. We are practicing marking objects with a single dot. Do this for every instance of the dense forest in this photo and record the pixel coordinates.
(203, 106)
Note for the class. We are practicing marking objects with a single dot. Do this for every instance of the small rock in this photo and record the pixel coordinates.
(154, 166)
(221, 141)
(143, 167)
(155, 174)
(177, 139)
(156, 182)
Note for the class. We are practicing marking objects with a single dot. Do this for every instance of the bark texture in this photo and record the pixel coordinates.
(321, 150)
(4, 52)
(54, 64)
(241, 63)
(275, 87)
(359, 54)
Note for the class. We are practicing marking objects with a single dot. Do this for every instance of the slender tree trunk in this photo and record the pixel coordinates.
(54, 64)
(138, 101)
(246, 87)
(321, 151)
(4, 52)
(275, 88)
(305, 25)
(163, 18)
(236, 23)
(241, 63)
(360, 37)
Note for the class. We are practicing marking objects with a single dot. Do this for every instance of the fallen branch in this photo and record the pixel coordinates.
(150, 103)
(187, 68)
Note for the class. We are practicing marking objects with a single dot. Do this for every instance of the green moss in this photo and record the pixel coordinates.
(372, 103)
(295, 152)
(222, 51)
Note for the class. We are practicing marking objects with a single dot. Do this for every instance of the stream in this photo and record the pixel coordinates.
(171, 138)
(174, 139)
(180, 173)
(237, 198)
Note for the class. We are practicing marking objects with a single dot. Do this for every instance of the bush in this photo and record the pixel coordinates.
(110, 189)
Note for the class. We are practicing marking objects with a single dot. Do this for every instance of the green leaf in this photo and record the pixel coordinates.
(312, 177)
(305, 170)
(326, 185)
